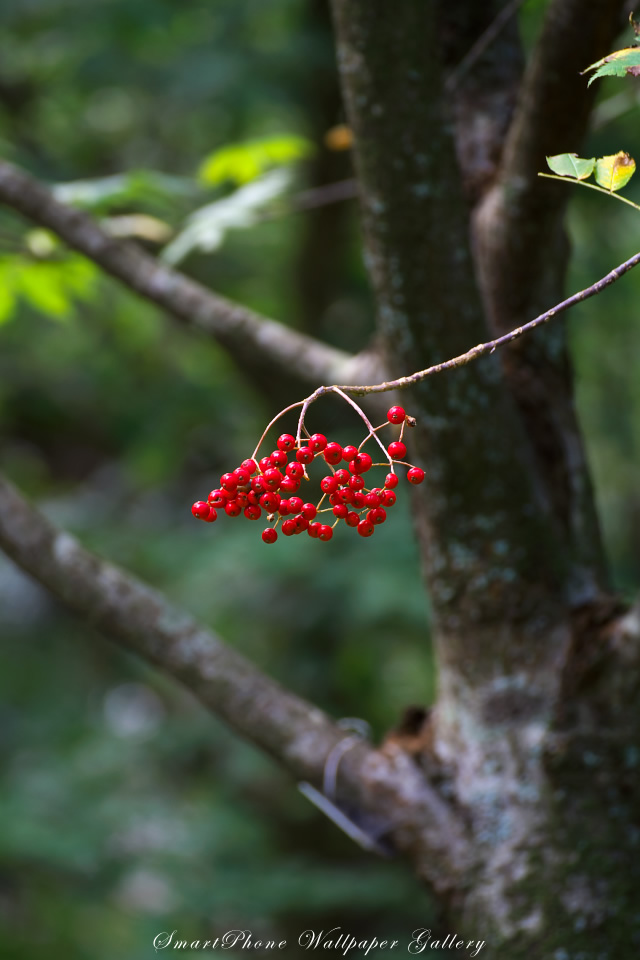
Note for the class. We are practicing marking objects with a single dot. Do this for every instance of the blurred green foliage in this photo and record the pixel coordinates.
(126, 809)
(242, 162)
(49, 287)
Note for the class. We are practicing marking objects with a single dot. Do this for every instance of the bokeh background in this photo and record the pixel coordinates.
(126, 809)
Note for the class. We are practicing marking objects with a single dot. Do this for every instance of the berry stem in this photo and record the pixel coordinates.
(305, 406)
(292, 406)
(362, 414)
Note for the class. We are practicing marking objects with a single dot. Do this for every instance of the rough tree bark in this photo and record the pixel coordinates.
(509, 537)
(521, 809)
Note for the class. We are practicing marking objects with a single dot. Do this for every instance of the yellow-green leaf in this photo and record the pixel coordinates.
(617, 64)
(571, 165)
(614, 172)
(243, 162)
(7, 302)
(42, 286)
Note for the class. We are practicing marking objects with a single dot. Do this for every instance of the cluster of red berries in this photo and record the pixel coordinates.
(272, 486)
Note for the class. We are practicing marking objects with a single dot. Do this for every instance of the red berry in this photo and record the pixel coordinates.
(295, 470)
(295, 504)
(228, 482)
(388, 498)
(377, 515)
(200, 509)
(352, 519)
(289, 485)
(270, 501)
(391, 480)
(304, 455)
(372, 499)
(309, 511)
(278, 458)
(342, 476)
(415, 475)
(341, 510)
(283, 508)
(365, 528)
(397, 450)
(232, 509)
(360, 463)
(286, 442)
(396, 415)
(346, 494)
(269, 535)
(349, 452)
(217, 498)
(313, 530)
(318, 442)
(241, 499)
(272, 478)
(358, 499)
(328, 484)
(333, 453)
(325, 532)
(242, 476)
(356, 482)
(336, 498)
(258, 485)
(301, 523)
(250, 466)
(212, 516)
(265, 463)
(289, 527)
(252, 512)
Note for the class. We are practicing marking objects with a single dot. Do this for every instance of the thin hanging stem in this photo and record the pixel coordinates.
(292, 406)
(361, 413)
(590, 186)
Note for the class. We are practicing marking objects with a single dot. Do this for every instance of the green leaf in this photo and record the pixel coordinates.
(243, 162)
(49, 286)
(79, 276)
(571, 165)
(7, 299)
(42, 286)
(135, 188)
(207, 227)
(614, 172)
(618, 64)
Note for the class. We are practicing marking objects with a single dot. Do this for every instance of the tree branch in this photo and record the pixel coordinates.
(296, 733)
(554, 104)
(482, 349)
(519, 222)
(243, 332)
(521, 252)
(483, 60)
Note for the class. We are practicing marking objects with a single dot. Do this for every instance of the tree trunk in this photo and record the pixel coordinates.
(534, 733)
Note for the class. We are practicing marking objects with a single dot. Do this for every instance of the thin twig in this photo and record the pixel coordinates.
(590, 186)
(324, 195)
(482, 43)
(292, 406)
(305, 406)
(484, 348)
(369, 425)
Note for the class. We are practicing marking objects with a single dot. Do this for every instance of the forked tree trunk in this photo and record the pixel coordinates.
(536, 735)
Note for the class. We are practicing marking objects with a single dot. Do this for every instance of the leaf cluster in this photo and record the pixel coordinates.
(611, 173)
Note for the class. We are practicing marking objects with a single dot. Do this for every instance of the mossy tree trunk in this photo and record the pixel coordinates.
(535, 733)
